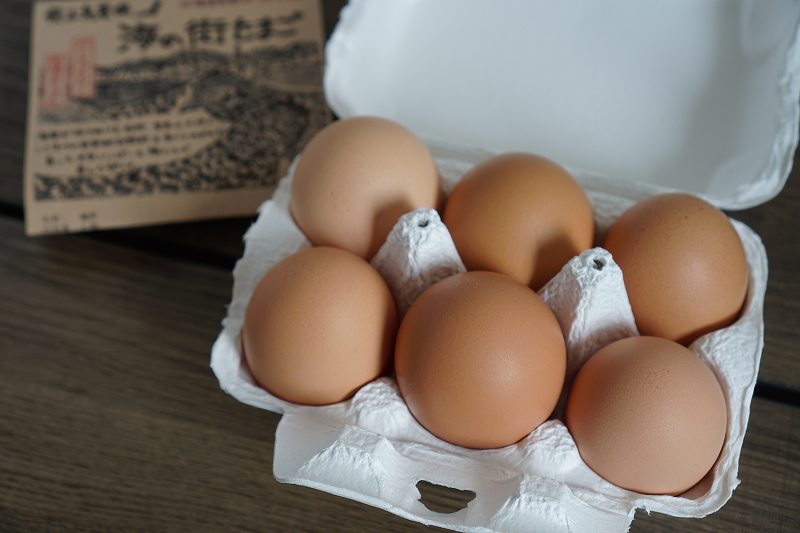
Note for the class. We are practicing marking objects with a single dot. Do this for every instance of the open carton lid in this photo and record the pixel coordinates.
(648, 96)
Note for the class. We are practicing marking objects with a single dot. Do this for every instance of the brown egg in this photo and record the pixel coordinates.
(683, 263)
(320, 324)
(521, 215)
(648, 415)
(480, 360)
(354, 180)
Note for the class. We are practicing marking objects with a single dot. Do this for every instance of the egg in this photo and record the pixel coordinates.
(480, 360)
(521, 215)
(355, 178)
(648, 415)
(319, 325)
(683, 264)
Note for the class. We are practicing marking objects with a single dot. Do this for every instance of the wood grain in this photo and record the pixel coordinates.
(777, 224)
(14, 37)
(111, 418)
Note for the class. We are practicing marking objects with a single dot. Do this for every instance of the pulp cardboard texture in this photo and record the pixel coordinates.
(370, 448)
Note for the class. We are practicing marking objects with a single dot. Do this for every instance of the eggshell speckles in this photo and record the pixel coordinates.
(648, 415)
(319, 325)
(354, 180)
(684, 266)
(480, 360)
(521, 215)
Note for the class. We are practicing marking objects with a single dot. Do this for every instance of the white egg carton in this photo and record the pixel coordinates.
(719, 123)
(371, 448)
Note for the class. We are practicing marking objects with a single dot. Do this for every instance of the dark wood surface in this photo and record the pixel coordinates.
(111, 419)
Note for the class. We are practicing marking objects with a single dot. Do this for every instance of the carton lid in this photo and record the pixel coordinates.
(664, 95)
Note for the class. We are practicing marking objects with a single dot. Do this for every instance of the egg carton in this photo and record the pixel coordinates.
(371, 449)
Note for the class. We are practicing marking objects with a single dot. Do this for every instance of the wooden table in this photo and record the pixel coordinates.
(110, 417)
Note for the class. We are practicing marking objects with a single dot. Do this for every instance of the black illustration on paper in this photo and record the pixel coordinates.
(270, 98)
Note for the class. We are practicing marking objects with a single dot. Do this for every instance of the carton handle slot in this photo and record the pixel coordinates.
(443, 499)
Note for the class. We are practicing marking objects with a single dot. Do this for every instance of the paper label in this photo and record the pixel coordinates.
(148, 111)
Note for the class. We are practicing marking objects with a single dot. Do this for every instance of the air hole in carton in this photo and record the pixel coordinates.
(423, 223)
(599, 264)
(442, 499)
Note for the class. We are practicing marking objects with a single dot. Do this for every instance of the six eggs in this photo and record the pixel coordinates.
(479, 358)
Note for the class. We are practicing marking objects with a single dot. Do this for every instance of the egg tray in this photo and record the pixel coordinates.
(371, 449)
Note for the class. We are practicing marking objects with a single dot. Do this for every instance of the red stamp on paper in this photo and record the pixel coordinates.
(54, 81)
(82, 67)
